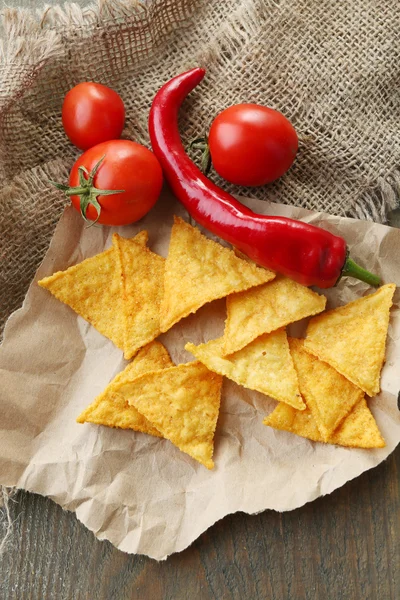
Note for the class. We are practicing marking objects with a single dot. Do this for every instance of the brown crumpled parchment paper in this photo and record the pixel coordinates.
(140, 492)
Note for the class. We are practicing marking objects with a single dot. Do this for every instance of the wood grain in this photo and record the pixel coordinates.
(346, 545)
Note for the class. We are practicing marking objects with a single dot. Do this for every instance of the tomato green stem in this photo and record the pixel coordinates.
(86, 191)
(75, 191)
(352, 269)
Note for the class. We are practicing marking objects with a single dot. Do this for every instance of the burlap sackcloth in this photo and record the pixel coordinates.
(331, 67)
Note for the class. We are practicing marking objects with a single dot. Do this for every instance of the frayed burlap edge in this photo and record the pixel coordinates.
(30, 38)
(377, 203)
(6, 495)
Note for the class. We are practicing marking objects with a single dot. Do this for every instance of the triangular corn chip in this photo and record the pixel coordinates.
(111, 409)
(265, 365)
(92, 289)
(267, 308)
(358, 430)
(142, 273)
(352, 338)
(328, 394)
(182, 402)
(199, 270)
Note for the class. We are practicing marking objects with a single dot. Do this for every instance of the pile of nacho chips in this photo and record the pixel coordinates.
(131, 295)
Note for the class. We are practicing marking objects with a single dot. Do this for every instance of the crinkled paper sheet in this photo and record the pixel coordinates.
(137, 491)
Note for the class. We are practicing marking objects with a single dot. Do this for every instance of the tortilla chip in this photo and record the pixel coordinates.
(92, 289)
(111, 409)
(328, 395)
(352, 338)
(141, 238)
(267, 308)
(358, 430)
(265, 365)
(183, 404)
(199, 270)
(142, 273)
(300, 422)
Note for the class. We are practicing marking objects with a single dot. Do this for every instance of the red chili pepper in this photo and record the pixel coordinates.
(303, 252)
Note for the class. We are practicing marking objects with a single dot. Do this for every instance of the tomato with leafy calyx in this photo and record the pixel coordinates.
(92, 113)
(114, 183)
(252, 145)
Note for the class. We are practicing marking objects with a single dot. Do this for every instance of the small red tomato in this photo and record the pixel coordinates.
(102, 171)
(92, 113)
(251, 144)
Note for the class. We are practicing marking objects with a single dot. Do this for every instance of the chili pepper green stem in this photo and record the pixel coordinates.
(201, 143)
(352, 269)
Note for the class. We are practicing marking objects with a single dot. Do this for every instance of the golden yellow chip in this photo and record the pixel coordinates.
(141, 238)
(92, 289)
(199, 270)
(300, 422)
(142, 273)
(352, 338)
(328, 394)
(266, 308)
(111, 409)
(182, 402)
(265, 366)
(358, 430)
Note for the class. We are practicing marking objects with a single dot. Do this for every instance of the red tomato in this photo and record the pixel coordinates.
(92, 113)
(252, 144)
(127, 166)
